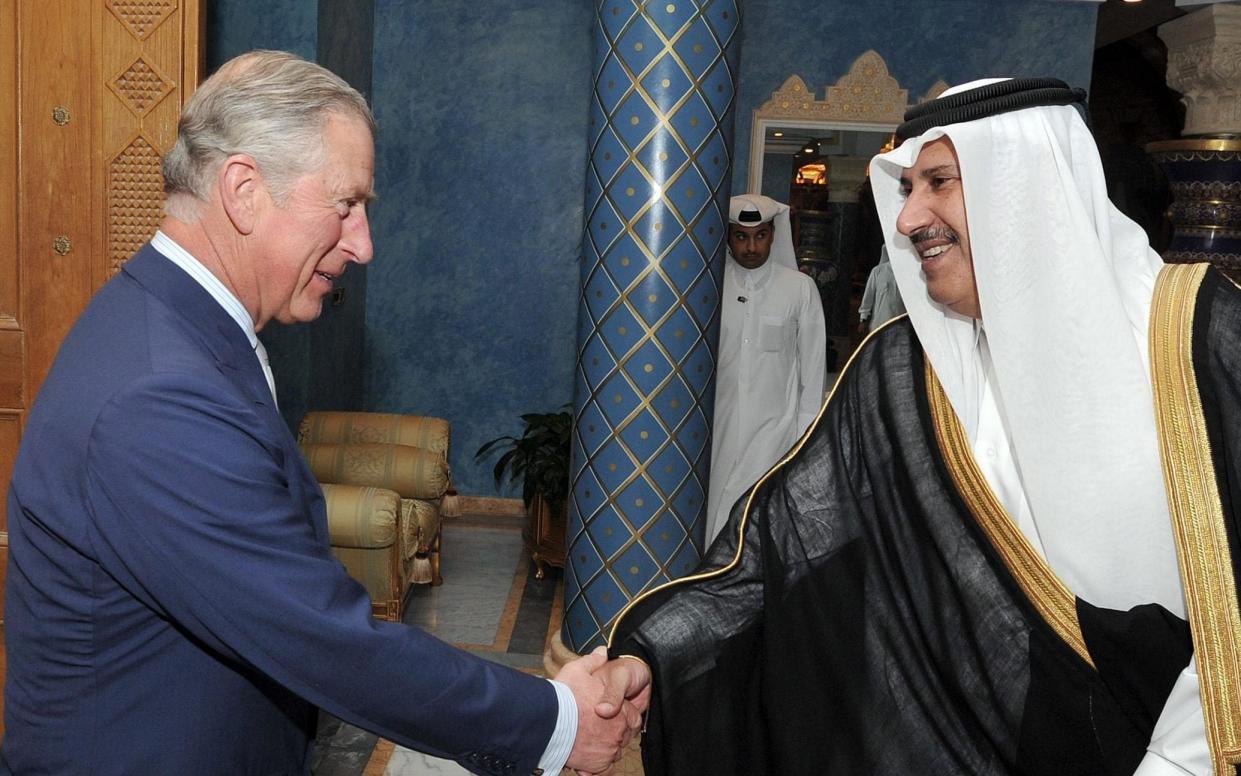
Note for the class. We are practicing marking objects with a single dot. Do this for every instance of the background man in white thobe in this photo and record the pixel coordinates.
(772, 354)
(881, 299)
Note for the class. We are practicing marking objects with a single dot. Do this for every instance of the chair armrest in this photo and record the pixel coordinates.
(361, 517)
(411, 471)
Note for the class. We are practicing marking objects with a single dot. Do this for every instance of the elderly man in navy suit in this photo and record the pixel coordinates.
(173, 607)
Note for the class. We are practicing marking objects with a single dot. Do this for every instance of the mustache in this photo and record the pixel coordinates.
(935, 233)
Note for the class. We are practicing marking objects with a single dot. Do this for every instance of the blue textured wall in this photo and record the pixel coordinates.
(237, 26)
(921, 40)
(471, 300)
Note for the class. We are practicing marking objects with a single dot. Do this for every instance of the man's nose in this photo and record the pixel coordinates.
(356, 240)
(913, 216)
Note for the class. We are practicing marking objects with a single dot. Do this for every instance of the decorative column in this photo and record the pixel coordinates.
(656, 205)
(1204, 168)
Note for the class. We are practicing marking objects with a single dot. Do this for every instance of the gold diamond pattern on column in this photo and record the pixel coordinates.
(141, 17)
(141, 86)
(135, 196)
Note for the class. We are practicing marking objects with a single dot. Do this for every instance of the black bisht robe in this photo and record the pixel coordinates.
(883, 615)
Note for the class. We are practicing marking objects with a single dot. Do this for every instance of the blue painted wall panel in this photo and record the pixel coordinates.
(237, 26)
(472, 297)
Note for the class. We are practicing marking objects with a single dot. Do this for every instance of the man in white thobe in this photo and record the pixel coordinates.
(772, 354)
(881, 299)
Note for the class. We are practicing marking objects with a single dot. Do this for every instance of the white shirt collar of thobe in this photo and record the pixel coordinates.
(751, 279)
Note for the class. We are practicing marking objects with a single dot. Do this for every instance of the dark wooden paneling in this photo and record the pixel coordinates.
(11, 394)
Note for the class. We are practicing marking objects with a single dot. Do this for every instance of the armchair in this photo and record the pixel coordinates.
(384, 477)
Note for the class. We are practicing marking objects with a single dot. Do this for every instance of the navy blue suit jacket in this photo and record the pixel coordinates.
(172, 605)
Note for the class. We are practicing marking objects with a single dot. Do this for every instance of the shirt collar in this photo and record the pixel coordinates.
(210, 283)
(752, 279)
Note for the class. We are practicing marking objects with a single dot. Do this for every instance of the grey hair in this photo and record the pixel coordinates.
(271, 105)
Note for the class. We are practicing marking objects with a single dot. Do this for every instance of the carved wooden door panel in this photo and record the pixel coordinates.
(90, 92)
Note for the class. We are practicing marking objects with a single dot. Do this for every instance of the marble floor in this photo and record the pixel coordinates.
(491, 604)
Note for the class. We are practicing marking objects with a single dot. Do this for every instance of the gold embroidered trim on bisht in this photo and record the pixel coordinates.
(1197, 516)
(1053, 600)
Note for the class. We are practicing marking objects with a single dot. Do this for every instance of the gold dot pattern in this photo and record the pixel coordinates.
(651, 199)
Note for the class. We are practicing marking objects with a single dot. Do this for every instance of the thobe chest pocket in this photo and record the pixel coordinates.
(775, 332)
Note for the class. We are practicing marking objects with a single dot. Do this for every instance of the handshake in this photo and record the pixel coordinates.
(612, 696)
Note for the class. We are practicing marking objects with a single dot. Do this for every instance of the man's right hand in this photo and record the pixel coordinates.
(600, 739)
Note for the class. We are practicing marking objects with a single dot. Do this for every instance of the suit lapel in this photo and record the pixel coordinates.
(214, 328)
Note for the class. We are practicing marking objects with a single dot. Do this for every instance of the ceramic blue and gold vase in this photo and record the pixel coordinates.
(1205, 177)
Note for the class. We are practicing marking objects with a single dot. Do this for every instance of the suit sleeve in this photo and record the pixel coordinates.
(192, 512)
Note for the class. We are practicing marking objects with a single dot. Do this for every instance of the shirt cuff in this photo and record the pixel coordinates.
(560, 746)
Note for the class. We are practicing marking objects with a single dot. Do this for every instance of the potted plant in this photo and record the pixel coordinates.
(539, 458)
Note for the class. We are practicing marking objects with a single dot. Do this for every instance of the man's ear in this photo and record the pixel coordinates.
(241, 191)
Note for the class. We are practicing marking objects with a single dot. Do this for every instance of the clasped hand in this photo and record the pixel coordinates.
(612, 696)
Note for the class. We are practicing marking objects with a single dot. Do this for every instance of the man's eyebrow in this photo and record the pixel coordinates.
(938, 171)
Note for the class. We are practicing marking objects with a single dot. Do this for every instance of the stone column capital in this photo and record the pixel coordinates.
(1204, 65)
